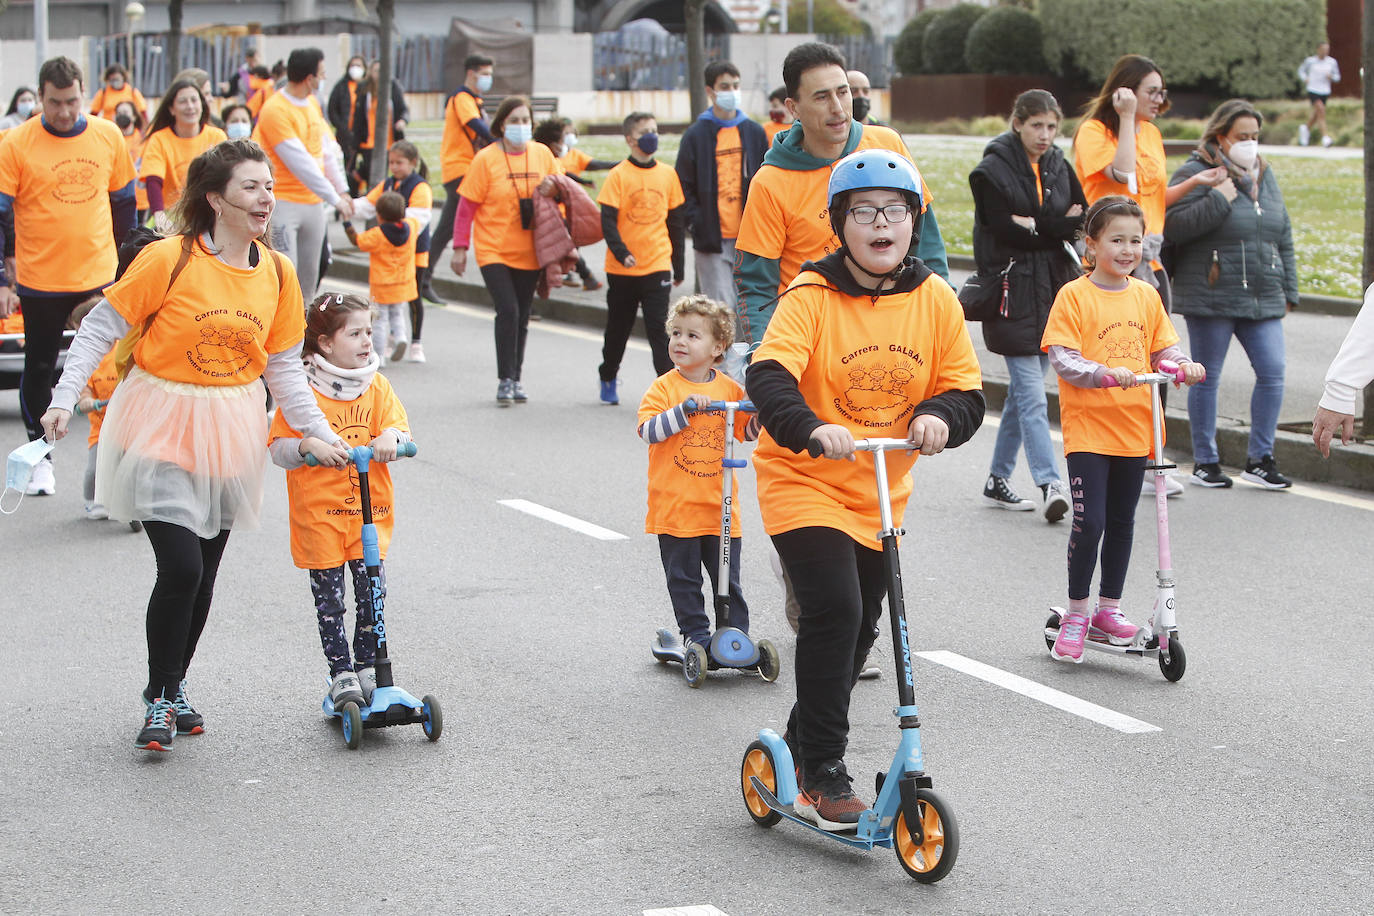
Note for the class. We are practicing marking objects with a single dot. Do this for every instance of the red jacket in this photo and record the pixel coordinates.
(560, 230)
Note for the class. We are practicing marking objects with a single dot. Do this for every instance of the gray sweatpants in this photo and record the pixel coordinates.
(298, 233)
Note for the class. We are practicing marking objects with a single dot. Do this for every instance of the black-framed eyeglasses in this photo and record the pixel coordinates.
(893, 213)
(1157, 95)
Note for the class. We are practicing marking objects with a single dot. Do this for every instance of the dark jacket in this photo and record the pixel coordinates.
(340, 114)
(399, 112)
(1003, 186)
(1249, 242)
(790, 420)
(696, 169)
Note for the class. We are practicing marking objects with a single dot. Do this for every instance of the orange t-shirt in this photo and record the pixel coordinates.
(390, 267)
(772, 128)
(167, 156)
(134, 142)
(458, 145)
(371, 140)
(283, 120)
(63, 228)
(260, 89)
(102, 384)
(217, 324)
(1094, 148)
(422, 197)
(729, 181)
(495, 182)
(1114, 328)
(865, 366)
(785, 218)
(1039, 186)
(326, 512)
(107, 100)
(684, 470)
(643, 197)
(574, 161)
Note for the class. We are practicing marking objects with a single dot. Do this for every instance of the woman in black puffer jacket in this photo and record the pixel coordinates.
(1234, 275)
(1027, 205)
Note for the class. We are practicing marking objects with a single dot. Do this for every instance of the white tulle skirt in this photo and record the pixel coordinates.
(192, 455)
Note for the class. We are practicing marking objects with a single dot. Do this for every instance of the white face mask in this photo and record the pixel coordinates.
(238, 130)
(19, 469)
(1244, 153)
(569, 141)
(728, 99)
(519, 134)
(355, 73)
(24, 108)
(484, 83)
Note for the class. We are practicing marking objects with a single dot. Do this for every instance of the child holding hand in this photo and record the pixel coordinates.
(390, 271)
(685, 450)
(326, 517)
(1106, 323)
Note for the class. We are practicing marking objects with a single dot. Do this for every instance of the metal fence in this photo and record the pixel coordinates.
(631, 59)
(871, 55)
(144, 55)
(417, 60)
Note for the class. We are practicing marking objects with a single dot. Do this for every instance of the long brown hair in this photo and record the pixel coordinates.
(210, 173)
(1130, 71)
(165, 117)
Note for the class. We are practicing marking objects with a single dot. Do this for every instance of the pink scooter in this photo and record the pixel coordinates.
(1160, 639)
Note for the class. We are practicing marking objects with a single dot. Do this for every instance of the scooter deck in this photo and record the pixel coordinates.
(666, 647)
(848, 839)
(1098, 643)
(389, 706)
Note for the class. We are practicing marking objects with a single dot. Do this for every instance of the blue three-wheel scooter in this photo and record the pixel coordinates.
(390, 704)
(908, 816)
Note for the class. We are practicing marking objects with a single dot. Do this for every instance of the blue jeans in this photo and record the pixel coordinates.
(1025, 420)
(1262, 339)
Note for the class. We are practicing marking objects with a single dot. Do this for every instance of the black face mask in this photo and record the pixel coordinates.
(122, 121)
(526, 212)
(860, 109)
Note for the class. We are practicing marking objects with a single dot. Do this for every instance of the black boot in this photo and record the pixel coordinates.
(427, 288)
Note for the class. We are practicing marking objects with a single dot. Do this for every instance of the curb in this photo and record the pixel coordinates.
(1350, 466)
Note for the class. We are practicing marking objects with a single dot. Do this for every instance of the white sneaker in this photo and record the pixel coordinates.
(1172, 485)
(417, 353)
(367, 680)
(43, 482)
(345, 689)
(398, 350)
(1304, 135)
(1326, 141)
(95, 512)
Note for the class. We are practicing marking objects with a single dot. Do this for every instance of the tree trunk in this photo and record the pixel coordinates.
(386, 14)
(172, 57)
(1367, 56)
(693, 12)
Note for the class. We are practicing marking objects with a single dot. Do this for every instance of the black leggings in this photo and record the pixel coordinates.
(840, 586)
(512, 292)
(1105, 489)
(45, 318)
(417, 305)
(443, 233)
(180, 603)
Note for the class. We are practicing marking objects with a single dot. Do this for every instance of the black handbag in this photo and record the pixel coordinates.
(984, 295)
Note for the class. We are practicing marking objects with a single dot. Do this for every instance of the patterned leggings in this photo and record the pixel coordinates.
(328, 587)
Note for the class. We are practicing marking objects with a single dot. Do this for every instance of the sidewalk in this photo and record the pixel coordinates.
(1312, 340)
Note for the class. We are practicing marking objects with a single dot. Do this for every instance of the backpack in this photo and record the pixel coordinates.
(138, 238)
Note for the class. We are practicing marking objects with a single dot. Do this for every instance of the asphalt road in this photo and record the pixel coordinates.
(576, 775)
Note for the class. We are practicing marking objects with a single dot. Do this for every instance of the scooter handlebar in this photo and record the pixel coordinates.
(740, 406)
(99, 405)
(404, 450)
(813, 448)
(1169, 371)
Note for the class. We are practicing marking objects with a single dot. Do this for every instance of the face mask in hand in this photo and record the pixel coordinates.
(647, 143)
(19, 469)
(1244, 153)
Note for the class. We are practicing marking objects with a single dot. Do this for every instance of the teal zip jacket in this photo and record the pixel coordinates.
(757, 278)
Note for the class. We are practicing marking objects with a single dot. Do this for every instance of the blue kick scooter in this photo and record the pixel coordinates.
(390, 704)
(730, 647)
(908, 817)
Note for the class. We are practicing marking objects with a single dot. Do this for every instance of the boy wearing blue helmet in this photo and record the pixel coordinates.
(863, 343)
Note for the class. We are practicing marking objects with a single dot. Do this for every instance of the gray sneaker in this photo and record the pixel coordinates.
(1057, 502)
(518, 392)
(505, 392)
(345, 689)
(367, 680)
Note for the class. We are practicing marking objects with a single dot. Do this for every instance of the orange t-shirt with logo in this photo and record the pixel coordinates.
(864, 365)
(786, 219)
(1114, 328)
(729, 181)
(1094, 148)
(326, 511)
(102, 384)
(684, 470)
(643, 197)
(458, 145)
(167, 155)
(107, 100)
(217, 324)
(390, 267)
(574, 161)
(63, 227)
(496, 182)
(283, 120)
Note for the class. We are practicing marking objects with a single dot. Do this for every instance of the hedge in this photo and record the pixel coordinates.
(1005, 40)
(906, 51)
(1246, 48)
(942, 48)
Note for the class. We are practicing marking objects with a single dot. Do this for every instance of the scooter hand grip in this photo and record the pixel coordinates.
(406, 450)
(1108, 381)
(814, 449)
(1169, 367)
(311, 461)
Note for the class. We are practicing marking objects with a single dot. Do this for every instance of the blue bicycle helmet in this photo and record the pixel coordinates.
(868, 169)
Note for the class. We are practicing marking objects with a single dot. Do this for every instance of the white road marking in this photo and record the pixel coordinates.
(1036, 691)
(703, 910)
(558, 518)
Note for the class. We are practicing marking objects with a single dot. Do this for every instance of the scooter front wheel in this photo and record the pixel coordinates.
(1177, 663)
(758, 762)
(351, 721)
(694, 664)
(931, 859)
(433, 722)
(770, 662)
(1051, 623)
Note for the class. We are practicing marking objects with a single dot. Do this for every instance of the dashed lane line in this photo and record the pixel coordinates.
(559, 518)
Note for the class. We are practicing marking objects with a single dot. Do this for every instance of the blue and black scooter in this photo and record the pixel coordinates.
(729, 647)
(908, 816)
(390, 704)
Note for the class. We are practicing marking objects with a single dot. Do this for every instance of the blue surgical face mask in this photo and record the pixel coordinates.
(647, 143)
(24, 108)
(238, 130)
(727, 99)
(19, 468)
(484, 83)
(519, 134)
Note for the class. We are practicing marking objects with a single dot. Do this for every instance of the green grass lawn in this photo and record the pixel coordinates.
(1324, 197)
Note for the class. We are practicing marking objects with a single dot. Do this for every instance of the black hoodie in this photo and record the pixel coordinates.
(790, 420)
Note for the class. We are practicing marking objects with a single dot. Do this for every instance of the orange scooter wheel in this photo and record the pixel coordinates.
(758, 763)
(930, 859)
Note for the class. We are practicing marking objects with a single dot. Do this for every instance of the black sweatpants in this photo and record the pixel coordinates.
(417, 306)
(45, 318)
(683, 559)
(512, 292)
(443, 232)
(840, 586)
(180, 603)
(625, 297)
(1105, 490)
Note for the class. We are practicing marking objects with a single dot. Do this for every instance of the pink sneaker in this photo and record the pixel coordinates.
(1068, 645)
(1111, 623)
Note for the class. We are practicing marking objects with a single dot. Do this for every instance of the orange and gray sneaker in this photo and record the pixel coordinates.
(159, 726)
(825, 798)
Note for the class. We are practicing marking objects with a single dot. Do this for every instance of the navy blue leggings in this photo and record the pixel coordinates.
(1105, 489)
(327, 585)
